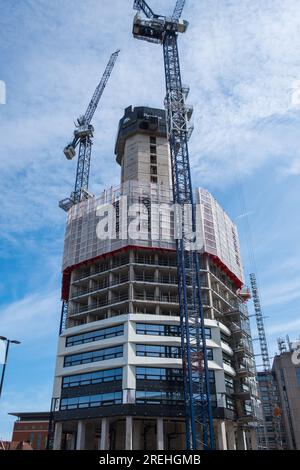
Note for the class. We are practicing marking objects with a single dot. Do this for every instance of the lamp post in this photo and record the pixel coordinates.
(8, 341)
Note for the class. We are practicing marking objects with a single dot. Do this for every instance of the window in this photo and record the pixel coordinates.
(89, 401)
(31, 439)
(298, 375)
(153, 179)
(229, 403)
(39, 441)
(228, 383)
(155, 373)
(210, 355)
(248, 408)
(226, 359)
(159, 397)
(212, 387)
(95, 335)
(157, 330)
(92, 378)
(153, 148)
(224, 338)
(207, 333)
(93, 356)
(157, 351)
(153, 159)
(153, 140)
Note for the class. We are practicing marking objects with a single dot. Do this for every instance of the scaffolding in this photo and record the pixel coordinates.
(266, 362)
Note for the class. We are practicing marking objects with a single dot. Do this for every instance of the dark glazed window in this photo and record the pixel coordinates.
(91, 378)
(93, 356)
(95, 335)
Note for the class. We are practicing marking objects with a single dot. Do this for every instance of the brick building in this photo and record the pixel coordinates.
(31, 428)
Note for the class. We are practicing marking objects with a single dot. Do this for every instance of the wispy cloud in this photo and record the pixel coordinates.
(244, 215)
(35, 316)
(284, 328)
(22, 401)
(241, 61)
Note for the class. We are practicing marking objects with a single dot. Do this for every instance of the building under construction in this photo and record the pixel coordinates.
(286, 383)
(119, 379)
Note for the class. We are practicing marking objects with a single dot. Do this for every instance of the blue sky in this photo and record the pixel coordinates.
(241, 60)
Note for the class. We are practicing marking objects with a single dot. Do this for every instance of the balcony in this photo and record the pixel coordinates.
(99, 269)
(150, 278)
(144, 260)
(242, 348)
(244, 370)
(101, 303)
(81, 291)
(242, 393)
(147, 296)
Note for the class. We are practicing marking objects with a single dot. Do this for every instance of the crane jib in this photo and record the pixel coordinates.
(83, 136)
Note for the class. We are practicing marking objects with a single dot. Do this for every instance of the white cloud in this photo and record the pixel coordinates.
(22, 401)
(34, 316)
(239, 58)
(285, 327)
(34, 321)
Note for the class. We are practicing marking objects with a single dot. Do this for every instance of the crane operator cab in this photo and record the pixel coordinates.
(154, 29)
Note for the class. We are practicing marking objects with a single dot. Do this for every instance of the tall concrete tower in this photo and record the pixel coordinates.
(118, 379)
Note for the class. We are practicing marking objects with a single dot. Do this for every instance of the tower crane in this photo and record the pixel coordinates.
(276, 419)
(83, 136)
(198, 413)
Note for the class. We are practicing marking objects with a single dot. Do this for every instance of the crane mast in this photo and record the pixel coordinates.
(199, 422)
(83, 136)
(265, 359)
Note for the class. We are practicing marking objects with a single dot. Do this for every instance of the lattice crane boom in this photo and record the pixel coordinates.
(142, 5)
(199, 422)
(265, 359)
(83, 136)
(100, 88)
(178, 10)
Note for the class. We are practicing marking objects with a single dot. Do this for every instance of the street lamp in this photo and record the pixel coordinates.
(8, 341)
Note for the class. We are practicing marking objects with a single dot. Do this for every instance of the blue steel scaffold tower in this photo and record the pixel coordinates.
(199, 421)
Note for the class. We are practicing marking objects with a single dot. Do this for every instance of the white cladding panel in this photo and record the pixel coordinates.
(217, 233)
(220, 235)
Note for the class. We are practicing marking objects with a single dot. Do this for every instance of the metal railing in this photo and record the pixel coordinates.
(99, 304)
(156, 298)
(99, 286)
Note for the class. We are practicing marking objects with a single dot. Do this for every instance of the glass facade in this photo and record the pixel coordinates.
(95, 335)
(88, 401)
(159, 397)
(157, 330)
(158, 351)
(93, 356)
(151, 350)
(155, 373)
(163, 330)
(91, 378)
(298, 375)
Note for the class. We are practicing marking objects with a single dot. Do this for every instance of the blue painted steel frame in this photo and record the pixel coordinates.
(194, 351)
(199, 419)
